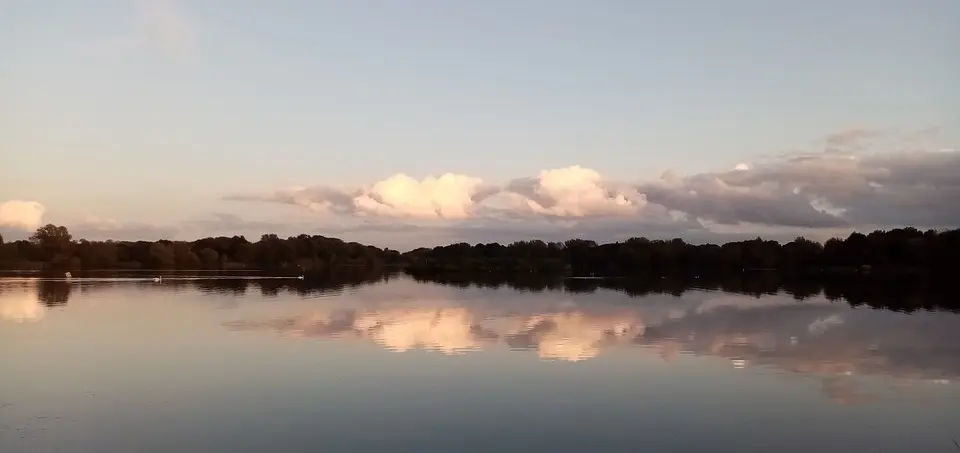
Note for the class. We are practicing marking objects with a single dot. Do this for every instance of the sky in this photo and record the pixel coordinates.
(405, 123)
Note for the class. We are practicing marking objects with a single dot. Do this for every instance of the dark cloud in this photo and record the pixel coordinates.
(710, 197)
(827, 189)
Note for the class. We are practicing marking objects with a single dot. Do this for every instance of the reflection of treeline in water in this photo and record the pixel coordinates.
(900, 294)
(900, 251)
(57, 292)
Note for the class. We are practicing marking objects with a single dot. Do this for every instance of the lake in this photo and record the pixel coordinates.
(396, 365)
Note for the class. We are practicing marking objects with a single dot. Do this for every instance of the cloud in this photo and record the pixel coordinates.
(847, 185)
(573, 192)
(711, 197)
(21, 215)
(825, 190)
(223, 221)
(851, 138)
(450, 196)
(96, 228)
(859, 178)
(157, 25)
(566, 193)
(165, 25)
(844, 186)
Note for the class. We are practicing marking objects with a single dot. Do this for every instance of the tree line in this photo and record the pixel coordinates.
(52, 247)
(900, 250)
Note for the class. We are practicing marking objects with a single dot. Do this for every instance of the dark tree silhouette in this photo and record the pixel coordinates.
(899, 251)
(52, 247)
(906, 250)
(51, 234)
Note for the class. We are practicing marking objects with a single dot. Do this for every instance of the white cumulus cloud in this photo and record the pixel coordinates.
(448, 197)
(573, 192)
(22, 215)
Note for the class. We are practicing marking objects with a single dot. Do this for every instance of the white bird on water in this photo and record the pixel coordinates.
(157, 279)
(68, 275)
(300, 277)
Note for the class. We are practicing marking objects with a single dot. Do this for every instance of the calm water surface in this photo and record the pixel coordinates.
(401, 366)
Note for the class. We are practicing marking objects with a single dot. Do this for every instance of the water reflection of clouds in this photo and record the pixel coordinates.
(20, 304)
(452, 330)
(824, 339)
(839, 345)
(827, 340)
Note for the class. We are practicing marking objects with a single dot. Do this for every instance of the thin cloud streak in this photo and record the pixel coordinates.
(157, 26)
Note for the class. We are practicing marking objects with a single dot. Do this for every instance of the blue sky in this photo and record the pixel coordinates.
(128, 114)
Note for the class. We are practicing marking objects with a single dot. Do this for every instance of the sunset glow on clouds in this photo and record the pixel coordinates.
(847, 185)
(842, 187)
(24, 215)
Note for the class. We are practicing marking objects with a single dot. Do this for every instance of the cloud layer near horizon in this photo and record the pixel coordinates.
(843, 186)
(851, 183)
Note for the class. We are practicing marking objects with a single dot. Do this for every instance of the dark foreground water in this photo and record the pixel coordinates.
(400, 366)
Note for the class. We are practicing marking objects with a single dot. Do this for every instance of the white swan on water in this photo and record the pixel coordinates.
(157, 279)
(300, 277)
(67, 275)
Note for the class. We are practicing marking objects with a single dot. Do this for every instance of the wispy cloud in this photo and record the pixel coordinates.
(156, 26)
(166, 26)
(99, 228)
